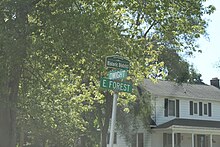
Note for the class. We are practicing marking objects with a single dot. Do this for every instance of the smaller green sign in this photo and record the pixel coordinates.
(115, 85)
(117, 74)
(117, 62)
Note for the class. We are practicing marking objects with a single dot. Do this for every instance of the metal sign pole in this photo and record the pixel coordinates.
(114, 109)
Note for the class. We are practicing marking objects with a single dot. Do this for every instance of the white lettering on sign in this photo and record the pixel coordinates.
(119, 86)
(117, 74)
(110, 84)
(104, 83)
(122, 65)
(113, 64)
(116, 85)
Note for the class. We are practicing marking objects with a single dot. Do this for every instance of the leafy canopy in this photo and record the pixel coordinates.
(60, 47)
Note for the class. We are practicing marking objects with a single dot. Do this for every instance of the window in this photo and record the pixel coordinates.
(195, 108)
(115, 138)
(138, 140)
(171, 107)
(171, 110)
(200, 108)
(201, 141)
(167, 139)
(205, 109)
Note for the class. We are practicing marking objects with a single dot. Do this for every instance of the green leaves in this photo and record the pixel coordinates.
(61, 46)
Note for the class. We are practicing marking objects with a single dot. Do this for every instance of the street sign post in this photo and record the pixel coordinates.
(117, 62)
(115, 85)
(117, 74)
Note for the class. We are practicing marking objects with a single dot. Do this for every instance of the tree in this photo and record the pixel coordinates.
(177, 69)
(52, 55)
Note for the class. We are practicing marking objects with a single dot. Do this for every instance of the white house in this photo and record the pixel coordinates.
(184, 115)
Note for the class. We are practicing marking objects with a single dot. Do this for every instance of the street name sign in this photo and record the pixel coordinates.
(117, 62)
(115, 85)
(112, 83)
(117, 74)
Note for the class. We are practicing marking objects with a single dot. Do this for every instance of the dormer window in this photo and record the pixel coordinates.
(171, 107)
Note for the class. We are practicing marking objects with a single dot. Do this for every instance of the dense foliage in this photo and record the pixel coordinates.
(52, 56)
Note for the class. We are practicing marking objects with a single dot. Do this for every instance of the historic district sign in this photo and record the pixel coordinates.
(115, 85)
(120, 67)
(117, 62)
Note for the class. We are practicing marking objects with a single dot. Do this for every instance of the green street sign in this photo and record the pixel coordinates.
(115, 85)
(117, 74)
(117, 62)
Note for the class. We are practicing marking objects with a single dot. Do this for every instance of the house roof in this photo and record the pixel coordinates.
(172, 89)
(152, 122)
(190, 123)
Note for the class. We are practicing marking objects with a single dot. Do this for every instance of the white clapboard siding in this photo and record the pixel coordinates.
(120, 141)
(147, 138)
(157, 139)
(154, 139)
(159, 109)
(184, 110)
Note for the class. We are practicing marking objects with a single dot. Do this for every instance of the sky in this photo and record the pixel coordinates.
(206, 62)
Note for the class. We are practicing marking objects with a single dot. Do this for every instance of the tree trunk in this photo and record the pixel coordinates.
(105, 122)
(11, 69)
(8, 97)
(7, 126)
(104, 135)
(21, 139)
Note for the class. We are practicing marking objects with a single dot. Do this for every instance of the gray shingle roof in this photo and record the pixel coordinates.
(191, 123)
(172, 89)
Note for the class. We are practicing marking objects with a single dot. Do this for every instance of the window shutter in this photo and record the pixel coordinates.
(166, 107)
(191, 107)
(209, 109)
(177, 108)
(200, 108)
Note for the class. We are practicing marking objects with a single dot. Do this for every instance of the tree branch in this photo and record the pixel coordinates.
(35, 2)
(148, 30)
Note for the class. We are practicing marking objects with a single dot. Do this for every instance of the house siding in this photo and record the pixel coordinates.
(147, 139)
(199, 94)
(120, 141)
(157, 139)
(146, 134)
(184, 110)
(216, 141)
(159, 109)
(215, 110)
